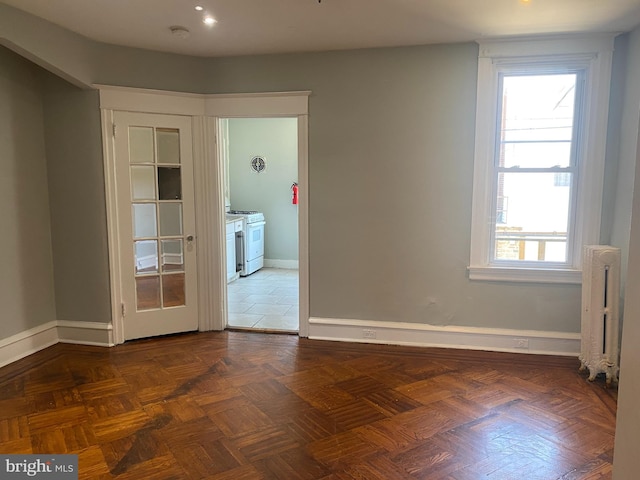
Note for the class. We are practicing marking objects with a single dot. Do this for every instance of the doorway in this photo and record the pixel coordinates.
(206, 295)
(260, 158)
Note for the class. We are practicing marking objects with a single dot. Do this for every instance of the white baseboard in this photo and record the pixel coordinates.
(86, 333)
(25, 343)
(394, 333)
(38, 338)
(471, 338)
(274, 263)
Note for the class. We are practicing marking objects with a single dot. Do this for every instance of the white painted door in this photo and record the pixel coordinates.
(156, 223)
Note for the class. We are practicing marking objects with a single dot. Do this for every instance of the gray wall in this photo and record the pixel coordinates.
(77, 199)
(627, 130)
(60, 51)
(276, 139)
(134, 67)
(390, 171)
(391, 147)
(26, 283)
(391, 158)
(628, 417)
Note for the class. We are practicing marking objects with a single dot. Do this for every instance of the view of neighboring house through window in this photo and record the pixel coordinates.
(539, 156)
(535, 161)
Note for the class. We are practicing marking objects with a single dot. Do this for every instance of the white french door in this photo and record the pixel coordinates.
(156, 223)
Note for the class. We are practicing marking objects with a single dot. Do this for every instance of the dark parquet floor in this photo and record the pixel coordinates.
(241, 406)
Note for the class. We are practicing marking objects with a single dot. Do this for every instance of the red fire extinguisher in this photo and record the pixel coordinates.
(294, 189)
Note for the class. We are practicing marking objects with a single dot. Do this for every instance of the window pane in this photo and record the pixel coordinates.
(532, 215)
(170, 219)
(146, 252)
(536, 155)
(538, 107)
(143, 182)
(141, 144)
(144, 220)
(169, 183)
(147, 293)
(168, 145)
(173, 290)
(172, 256)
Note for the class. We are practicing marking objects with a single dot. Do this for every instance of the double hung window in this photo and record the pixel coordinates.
(539, 157)
(535, 166)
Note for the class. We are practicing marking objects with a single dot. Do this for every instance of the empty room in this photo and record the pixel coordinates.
(335, 239)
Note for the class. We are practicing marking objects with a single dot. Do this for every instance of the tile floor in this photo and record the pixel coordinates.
(265, 300)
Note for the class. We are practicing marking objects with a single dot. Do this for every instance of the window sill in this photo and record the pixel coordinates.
(527, 275)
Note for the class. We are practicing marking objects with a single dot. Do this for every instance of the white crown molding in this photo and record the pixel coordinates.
(258, 104)
(194, 104)
(150, 101)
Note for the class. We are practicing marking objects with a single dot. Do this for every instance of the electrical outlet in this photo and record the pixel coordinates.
(521, 342)
(366, 333)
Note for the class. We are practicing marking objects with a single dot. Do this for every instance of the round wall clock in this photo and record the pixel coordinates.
(258, 164)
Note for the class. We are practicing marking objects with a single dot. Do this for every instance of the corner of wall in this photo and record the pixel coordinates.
(38, 338)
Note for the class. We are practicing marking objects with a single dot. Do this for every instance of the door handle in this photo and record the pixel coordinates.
(189, 238)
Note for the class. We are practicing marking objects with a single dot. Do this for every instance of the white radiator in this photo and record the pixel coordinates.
(600, 348)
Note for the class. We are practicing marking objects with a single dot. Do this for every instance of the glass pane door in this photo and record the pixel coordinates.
(156, 208)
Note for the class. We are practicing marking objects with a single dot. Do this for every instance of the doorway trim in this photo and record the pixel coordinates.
(257, 105)
(204, 111)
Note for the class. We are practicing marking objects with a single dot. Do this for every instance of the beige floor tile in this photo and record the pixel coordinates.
(266, 299)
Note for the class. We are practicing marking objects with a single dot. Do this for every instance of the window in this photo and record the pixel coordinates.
(539, 157)
(534, 143)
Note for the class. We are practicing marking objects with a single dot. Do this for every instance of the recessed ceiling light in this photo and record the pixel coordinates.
(209, 20)
(199, 8)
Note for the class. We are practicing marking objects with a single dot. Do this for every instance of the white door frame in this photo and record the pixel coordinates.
(259, 105)
(204, 111)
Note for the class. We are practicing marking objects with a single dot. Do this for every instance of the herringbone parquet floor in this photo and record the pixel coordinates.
(238, 406)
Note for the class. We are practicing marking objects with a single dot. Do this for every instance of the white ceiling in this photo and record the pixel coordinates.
(277, 26)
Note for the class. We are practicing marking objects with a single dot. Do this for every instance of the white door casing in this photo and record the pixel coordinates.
(156, 223)
(264, 105)
(204, 112)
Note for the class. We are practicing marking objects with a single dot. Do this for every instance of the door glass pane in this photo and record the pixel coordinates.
(173, 288)
(141, 144)
(172, 256)
(532, 217)
(143, 182)
(144, 220)
(148, 292)
(168, 145)
(169, 183)
(146, 252)
(170, 219)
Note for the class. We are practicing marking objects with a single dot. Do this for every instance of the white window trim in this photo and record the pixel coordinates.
(596, 52)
